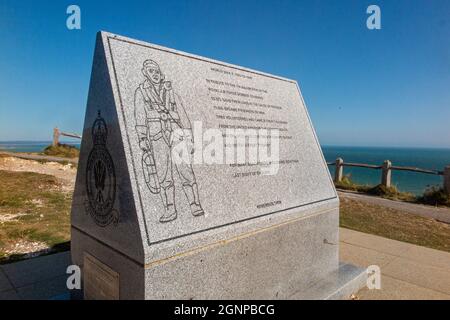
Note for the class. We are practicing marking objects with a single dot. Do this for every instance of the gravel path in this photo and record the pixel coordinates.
(38, 157)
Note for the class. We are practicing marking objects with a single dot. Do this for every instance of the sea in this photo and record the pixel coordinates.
(416, 183)
(29, 146)
(413, 182)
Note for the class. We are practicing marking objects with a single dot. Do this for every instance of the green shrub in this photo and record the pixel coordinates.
(62, 150)
(435, 195)
(378, 190)
(347, 184)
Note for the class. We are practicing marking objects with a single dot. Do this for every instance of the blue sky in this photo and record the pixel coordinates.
(388, 87)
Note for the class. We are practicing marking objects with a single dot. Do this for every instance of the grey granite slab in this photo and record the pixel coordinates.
(225, 199)
(339, 285)
(148, 218)
(225, 196)
(272, 263)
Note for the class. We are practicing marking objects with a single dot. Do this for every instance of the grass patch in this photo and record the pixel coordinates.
(32, 208)
(390, 193)
(62, 150)
(394, 224)
(347, 184)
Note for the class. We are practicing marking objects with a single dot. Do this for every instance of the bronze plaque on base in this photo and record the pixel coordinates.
(100, 281)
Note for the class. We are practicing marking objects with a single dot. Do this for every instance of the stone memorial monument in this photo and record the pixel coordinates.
(199, 179)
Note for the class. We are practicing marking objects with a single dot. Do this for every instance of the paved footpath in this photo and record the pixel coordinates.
(438, 213)
(39, 278)
(408, 271)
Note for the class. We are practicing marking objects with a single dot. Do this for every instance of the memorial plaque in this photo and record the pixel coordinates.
(181, 152)
(102, 283)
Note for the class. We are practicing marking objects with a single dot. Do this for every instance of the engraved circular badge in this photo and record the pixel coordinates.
(164, 116)
(100, 178)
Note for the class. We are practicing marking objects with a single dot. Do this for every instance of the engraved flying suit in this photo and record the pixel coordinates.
(159, 113)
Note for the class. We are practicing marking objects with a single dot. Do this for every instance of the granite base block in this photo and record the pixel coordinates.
(295, 260)
(339, 285)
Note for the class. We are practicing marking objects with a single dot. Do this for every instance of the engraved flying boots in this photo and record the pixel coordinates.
(194, 201)
(168, 198)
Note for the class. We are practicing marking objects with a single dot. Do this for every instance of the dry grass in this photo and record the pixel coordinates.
(394, 224)
(33, 211)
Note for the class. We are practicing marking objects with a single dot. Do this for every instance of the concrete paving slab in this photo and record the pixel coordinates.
(5, 285)
(377, 243)
(363, 257)
(345, 234)
(45, 290)
(28, 272)
(394, 289)
(9, 295)
(408, 271)
(417, 253)
(426, 276)
(432, 257)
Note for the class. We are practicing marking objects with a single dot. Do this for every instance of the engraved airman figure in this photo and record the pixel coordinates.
(161, 124)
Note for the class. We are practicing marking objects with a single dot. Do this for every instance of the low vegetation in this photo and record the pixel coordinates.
(62, 150)
(347, 184)
(435, 196)
(34, 215)
(394, 224)
(432, 196)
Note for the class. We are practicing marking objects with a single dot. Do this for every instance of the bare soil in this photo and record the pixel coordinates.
(65, 173)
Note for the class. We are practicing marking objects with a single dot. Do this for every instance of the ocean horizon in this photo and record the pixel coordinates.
(416, 183)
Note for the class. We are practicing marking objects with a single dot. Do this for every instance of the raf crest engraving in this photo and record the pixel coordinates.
(161, 124)
(100, 178)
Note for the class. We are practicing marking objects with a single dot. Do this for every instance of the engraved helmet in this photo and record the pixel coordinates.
(149, 63)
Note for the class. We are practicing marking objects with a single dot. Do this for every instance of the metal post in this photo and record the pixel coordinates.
(339, 172)
(386, 174)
